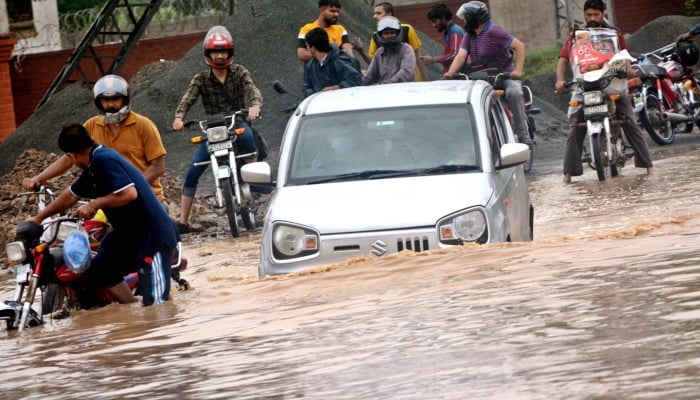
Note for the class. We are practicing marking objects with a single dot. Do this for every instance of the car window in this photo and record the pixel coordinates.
(496, 131)
(392, 139)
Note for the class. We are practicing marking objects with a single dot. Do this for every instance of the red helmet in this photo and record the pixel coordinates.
(218, 39)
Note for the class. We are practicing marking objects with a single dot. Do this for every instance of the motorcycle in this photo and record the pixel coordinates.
(221, 133)
(496, 78)
(669, 95)
(39, 265)
(599, 82)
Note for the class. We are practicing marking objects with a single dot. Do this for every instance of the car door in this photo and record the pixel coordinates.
(511, 190)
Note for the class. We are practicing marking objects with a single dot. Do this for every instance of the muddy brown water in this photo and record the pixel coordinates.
(604, 304)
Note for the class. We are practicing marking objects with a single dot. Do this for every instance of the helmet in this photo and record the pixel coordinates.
(76, 252)
(112, 86)
(96, 231)
(392, 23)
(218, 38)
(474, 14)
(687, 53)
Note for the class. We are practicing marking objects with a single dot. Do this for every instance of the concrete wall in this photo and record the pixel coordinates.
(46, 25)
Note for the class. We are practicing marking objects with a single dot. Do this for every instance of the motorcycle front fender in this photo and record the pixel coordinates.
(223, 172)
(594, 127)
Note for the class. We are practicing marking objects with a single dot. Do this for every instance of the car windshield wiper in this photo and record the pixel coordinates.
(389, 173)
(448, 168)
(368, 174)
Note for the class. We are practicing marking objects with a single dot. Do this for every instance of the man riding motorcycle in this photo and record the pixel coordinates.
(594, 14)
(488, 43)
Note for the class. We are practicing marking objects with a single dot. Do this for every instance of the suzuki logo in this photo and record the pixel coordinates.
(378, 248)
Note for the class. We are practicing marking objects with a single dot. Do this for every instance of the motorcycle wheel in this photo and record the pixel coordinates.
(52, 299)
(6, 319)
(597, 156)
(248, 216)
(230, 202)
(659, 130)
(531, 133)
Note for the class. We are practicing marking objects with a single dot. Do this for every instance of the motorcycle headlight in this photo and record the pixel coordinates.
(592, 98)
(16, 251)
(293, 241)
(64, 229)
(217, 134)
(469, 226)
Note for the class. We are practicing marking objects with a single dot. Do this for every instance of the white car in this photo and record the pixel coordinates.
(370, 171)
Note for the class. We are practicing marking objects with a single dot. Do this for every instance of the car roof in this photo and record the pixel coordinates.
(394, 95)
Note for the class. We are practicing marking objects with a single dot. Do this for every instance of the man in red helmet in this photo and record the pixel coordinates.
(225, 88)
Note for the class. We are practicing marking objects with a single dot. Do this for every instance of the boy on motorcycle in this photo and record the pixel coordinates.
(143, 236)
(395, 60)
(485, 41)
(594, 15)
(225, 88)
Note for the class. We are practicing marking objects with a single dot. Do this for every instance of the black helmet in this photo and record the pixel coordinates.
(474, 14)
(687, 53)
(391, 23)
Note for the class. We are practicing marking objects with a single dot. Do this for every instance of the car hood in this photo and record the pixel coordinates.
(380, 204)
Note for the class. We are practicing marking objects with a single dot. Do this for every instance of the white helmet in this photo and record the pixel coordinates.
(112, 86)
(389, 22)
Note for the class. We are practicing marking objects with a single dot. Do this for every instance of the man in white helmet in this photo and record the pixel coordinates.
(395, 61)
(132, 135)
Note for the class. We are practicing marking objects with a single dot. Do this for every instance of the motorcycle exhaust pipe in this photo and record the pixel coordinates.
(674, 117)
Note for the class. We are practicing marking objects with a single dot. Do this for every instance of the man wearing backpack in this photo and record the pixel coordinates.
(328, 69)
(395, 60)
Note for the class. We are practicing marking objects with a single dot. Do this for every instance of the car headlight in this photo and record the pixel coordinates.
(592, 98)
(217, 134)
(469, 226)
(16, 251)
(292, 241)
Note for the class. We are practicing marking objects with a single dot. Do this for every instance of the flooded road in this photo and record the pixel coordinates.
(605, 304)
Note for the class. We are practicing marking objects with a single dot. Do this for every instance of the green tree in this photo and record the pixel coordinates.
(692, 7)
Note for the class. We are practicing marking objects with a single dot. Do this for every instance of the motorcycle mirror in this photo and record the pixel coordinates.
(279, 87)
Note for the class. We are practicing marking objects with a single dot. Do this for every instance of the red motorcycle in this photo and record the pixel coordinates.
(669, 97)
(39, 265)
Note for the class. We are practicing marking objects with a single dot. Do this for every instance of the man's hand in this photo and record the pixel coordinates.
(30, 183)
(448, 75)
(178, 125)
(427, 60)
(357, 45)
(559, 86)
(85, 211)
(253, 112)
(516, 74)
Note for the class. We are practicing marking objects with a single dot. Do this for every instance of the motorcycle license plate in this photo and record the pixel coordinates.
(22, 273)
(601, 109)
(221, 146)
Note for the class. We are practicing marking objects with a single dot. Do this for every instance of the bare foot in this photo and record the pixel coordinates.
(567, 178)
(650, 171)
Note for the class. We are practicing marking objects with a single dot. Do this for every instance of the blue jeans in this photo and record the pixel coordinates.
(189, 188)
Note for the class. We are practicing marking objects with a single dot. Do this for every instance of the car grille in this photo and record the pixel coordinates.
(415, 244)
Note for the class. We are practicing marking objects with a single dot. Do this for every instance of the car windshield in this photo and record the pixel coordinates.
(384, 143)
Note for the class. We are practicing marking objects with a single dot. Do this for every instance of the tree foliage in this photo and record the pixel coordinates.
(67, 6)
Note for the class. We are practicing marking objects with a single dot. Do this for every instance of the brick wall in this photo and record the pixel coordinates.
(7, 121)
(33, 74)
(416, 16)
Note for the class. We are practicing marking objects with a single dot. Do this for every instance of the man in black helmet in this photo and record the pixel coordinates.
(594, 15)
(395, 60)
(489, 45)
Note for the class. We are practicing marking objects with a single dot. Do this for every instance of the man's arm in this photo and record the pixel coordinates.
(357, 45)
(57, 168)
(63, 202)
(456, 64)
(421, 67)
(112, 200)
(519, 48)
(562, 64)
(155, 169)
(347, 48)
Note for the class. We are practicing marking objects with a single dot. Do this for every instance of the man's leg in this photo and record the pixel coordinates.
(642, 158)
(122, 293)
(574, 144)
(516, 103)
(189, 188)
(154, 278)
